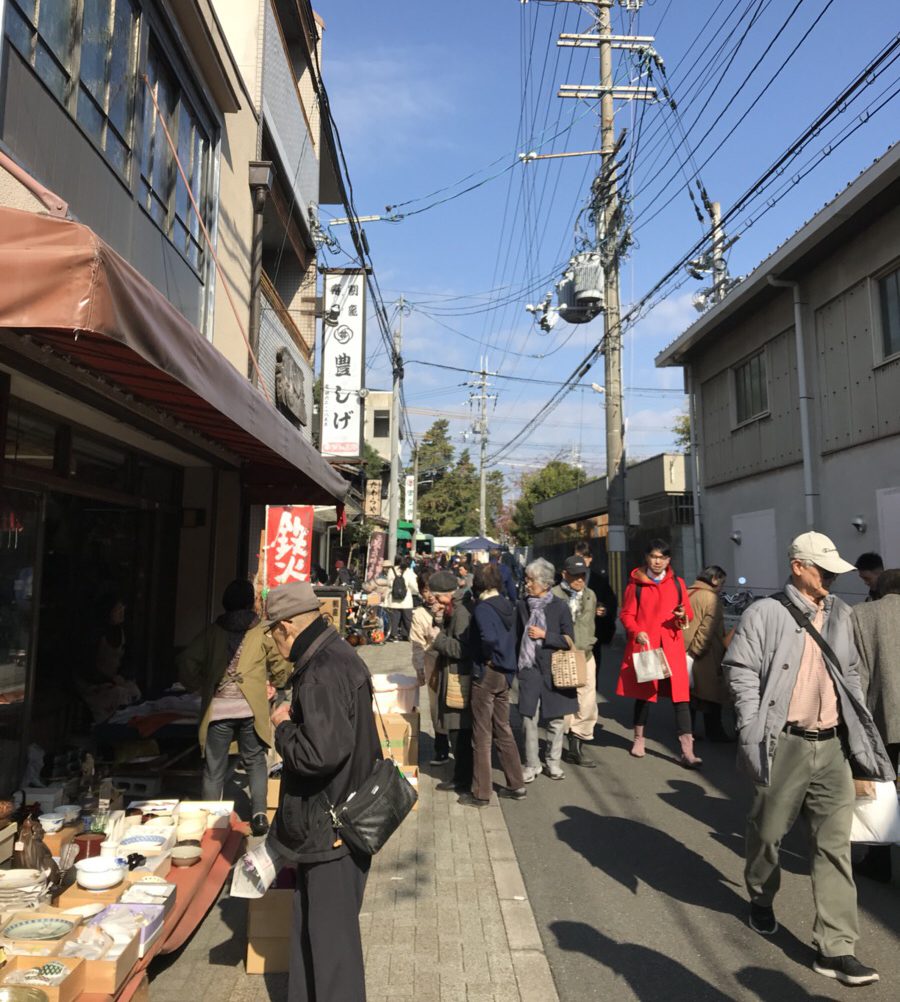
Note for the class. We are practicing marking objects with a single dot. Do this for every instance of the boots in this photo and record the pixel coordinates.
(577, 755)
(637, 749)
(688, 759)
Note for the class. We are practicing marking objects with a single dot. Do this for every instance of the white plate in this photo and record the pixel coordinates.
(10, 879)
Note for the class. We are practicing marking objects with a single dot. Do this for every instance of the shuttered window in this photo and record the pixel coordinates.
(750, 388)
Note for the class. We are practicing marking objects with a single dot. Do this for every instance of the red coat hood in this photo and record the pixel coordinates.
(639, 576)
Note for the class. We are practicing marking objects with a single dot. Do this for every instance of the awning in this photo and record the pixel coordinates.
(67, 289)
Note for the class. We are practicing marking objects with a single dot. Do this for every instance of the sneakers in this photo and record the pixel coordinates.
(451, 786)
(553, 774)
(762, 920)
(259, 825)
(470, 800)
(848, 970)
(510, 794)
(530, 775)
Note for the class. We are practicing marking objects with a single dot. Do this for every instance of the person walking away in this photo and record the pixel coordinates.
(454, 647)
(704, 640)
(607, 602)
(401, 588)
(582, 603)
(425, 627)
(876, 631)
(869, 566)
(804, 732)
(493, 638)
(327, 738)
(507, 579)
(235, 667)
(544, 624)
(655, 613)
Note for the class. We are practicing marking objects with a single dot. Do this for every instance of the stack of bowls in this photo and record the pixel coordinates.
(191, 823)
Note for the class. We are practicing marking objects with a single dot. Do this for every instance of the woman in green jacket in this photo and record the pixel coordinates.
(233, 664)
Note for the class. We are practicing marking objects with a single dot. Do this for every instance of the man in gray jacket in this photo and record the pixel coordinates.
(804, 732)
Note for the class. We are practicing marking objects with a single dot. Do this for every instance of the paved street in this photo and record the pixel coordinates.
(634, 871)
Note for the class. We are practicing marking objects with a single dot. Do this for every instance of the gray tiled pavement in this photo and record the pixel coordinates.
(445, 918)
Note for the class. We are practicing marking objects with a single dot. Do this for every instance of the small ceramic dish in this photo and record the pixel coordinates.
(186, 855)
(38, 928)
(52, 822)
(70, 812)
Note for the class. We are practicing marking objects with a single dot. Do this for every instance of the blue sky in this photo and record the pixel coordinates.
(426, 94)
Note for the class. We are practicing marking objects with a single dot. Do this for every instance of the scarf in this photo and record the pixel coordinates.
(236, 624)
(574, 598)
(537, 606)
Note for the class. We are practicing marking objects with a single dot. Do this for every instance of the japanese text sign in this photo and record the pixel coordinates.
(343, 363)
(409, 497)
(288, 553)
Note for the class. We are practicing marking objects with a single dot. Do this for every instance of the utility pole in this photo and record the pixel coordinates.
(394, 486)
(415, 504)
(719, 265)
(481, 429)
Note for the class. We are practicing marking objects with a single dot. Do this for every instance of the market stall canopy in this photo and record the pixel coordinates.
(477, 543)
(69, 290)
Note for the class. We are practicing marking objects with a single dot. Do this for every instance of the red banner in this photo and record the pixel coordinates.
(288, 544)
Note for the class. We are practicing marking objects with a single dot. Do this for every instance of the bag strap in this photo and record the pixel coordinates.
(805, 623)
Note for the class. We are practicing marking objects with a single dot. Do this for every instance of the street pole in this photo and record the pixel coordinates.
(415, 504)
(482, 510)
(719, 268)
(605, 222)
(394, 487)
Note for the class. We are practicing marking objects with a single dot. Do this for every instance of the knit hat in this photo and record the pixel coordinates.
(443, 583)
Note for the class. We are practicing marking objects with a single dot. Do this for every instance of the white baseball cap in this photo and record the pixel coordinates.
(821, 551)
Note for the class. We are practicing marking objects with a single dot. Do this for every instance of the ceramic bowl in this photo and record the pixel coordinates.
(99, 873)
(70, 812)
(186, 855)
(40, 928)
(52, 822)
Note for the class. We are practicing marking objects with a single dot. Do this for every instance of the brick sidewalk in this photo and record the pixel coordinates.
(445, 918)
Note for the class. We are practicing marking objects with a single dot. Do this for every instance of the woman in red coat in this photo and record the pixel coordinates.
(654, 613)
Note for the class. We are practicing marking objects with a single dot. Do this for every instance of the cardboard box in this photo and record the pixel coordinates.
(73, 985)
(168, 902)
(153, 915)
(56, 840)
(273, 791)
(105, 977)
(399, 733)
(268, 955)
(7, 838)
(75, 895)
(269, 921)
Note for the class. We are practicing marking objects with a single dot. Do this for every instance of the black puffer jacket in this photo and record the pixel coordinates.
(329, 746)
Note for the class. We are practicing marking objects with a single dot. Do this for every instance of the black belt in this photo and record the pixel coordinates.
(801, 732)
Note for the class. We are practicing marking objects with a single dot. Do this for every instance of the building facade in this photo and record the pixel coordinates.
(140, 436)
(794, 381)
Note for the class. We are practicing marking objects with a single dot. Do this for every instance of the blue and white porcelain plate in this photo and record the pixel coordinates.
(38, 928)
(145, 839)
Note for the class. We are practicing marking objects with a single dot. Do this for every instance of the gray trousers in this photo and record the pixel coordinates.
(811, 778)
(555, 732)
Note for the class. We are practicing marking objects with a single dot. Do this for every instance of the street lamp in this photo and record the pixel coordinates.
(261, 179)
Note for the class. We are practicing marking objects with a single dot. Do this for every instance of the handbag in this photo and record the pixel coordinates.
(568, 669)
(371, 814)
(459, 688)
(651, 665)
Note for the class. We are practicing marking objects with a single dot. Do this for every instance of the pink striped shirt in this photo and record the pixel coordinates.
(814, 703)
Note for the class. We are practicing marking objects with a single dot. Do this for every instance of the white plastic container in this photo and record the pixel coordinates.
(395, 693)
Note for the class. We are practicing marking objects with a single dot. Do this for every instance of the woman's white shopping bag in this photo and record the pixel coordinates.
(651, 665)
(876, 821)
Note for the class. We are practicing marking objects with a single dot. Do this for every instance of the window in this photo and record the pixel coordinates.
(750, 390)
(889, 300)
(163, 193)
(43, 32)
(105, 107)
(95, 42)
(382, 424)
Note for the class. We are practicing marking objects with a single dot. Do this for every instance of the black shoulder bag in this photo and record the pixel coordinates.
(371, 814)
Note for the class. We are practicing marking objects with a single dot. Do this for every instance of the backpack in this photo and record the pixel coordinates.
(398, 587)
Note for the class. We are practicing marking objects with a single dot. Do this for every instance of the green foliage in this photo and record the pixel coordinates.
(555, 478)
(681, 430)
(373, 465)
(435, 456)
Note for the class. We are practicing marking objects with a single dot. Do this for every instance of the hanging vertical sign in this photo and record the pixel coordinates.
(408, 497)
(288, 551)
(375, 554)
(343, 363)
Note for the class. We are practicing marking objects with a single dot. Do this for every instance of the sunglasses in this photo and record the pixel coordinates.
(826, 576)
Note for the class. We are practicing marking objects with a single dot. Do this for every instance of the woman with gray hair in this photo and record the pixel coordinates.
(544, 623)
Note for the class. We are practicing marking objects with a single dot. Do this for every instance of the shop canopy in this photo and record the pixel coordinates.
(477, 543)
(70, 291)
